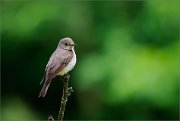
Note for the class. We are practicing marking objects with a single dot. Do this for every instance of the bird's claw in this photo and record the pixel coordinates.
(65, 77)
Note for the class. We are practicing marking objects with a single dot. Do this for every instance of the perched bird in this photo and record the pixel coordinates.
(60, 63)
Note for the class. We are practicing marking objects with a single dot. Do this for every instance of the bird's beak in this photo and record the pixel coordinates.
(73, 44)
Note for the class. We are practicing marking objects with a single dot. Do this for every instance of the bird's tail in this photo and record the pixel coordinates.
(44, 88)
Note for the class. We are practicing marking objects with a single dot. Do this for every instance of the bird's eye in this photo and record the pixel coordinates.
(66, 43)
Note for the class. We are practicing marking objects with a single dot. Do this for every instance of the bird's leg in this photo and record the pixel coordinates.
(61, 77)
(65, 77)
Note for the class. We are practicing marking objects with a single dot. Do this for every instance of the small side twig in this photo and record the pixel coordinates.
(50, 118)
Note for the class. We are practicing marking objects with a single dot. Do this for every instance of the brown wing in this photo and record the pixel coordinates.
(57, 62)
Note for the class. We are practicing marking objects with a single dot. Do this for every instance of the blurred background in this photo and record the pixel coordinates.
(128, 59)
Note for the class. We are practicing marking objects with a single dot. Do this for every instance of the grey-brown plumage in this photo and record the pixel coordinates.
(61, 62)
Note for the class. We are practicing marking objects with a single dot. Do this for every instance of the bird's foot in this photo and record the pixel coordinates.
(65, 77)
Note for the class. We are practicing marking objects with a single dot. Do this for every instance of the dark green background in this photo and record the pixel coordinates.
(127, 59)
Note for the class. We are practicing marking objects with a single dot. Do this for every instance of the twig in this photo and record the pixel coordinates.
(66, 93)
(50, 118)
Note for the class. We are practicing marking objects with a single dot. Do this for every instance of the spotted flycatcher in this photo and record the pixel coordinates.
(60, 63)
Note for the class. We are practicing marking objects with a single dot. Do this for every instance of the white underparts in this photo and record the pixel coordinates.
(70, 65)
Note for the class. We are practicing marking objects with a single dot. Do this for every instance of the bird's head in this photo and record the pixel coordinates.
(66, 43)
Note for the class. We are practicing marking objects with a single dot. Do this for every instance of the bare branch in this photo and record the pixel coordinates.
(66, 93)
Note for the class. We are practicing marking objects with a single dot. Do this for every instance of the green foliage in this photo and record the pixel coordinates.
(127, 56)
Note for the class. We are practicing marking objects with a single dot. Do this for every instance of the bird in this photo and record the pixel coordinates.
(62, 60)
